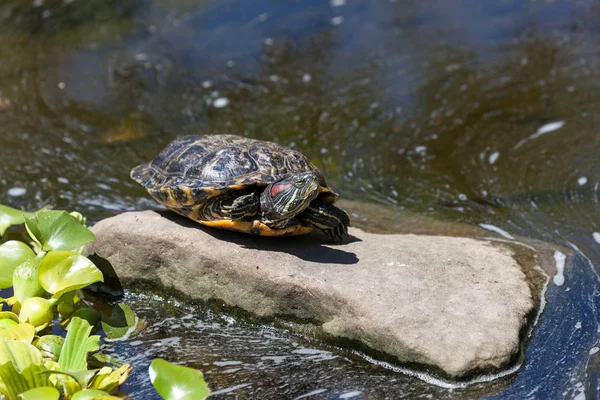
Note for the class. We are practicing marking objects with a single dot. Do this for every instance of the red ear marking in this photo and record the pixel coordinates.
(278, 187)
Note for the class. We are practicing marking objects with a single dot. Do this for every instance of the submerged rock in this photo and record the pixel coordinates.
(456, 304)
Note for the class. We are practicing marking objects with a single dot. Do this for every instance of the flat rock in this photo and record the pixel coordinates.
(457, 304)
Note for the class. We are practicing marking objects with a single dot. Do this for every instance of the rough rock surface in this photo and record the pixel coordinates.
(455, 303)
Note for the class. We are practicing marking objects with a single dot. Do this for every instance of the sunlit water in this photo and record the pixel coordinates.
(478, 112)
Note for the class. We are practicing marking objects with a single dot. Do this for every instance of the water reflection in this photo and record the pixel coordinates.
(422, 106)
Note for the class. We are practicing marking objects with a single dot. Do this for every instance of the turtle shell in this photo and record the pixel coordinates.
(192, 169)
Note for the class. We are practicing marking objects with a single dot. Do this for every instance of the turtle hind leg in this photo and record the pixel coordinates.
(243, 207)
(330, 219)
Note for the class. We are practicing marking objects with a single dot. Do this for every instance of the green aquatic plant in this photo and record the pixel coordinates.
(45, 277)
(21, 368)
(174, 382)
(12, 216)
(24, 367)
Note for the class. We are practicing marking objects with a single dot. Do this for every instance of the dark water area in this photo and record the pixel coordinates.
(466, 111)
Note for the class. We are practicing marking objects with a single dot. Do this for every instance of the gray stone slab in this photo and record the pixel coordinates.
(458, 304)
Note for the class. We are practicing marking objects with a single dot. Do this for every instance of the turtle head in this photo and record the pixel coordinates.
(286, 198)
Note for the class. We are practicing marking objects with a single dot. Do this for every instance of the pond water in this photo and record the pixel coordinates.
(468, 111)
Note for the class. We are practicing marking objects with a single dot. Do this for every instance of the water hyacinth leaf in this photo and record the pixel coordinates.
(12, 216)
(37, 311)
(101, 360)
(7, 323)
(16, 382)
(99, 377)
(174, 382)
(79, 217)
(77, 345)
(19, 332)
(12, 254)
(92, 394)
(58, 230)
(89, 314)
(66, 304)
(21, 354)
(12, 382)
(50, 346)
(34, 375)
(107, 379)
(75, 381)
(64, 271)
(121, 324)
(51, 365)
(70, 387)
(41, 393)
(21, 368)
(25, 279)
(9, 315)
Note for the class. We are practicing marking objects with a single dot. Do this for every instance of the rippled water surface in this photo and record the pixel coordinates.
(469, 111)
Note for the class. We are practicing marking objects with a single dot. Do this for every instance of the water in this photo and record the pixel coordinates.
(474, 112)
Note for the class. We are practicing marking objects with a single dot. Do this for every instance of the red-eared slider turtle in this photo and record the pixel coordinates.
(242, 184)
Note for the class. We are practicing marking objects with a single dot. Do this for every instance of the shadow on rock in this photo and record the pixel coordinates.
(111, 285)
(314, 247)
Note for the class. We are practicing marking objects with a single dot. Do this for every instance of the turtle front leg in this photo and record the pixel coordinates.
(243, 207)
(330, 219)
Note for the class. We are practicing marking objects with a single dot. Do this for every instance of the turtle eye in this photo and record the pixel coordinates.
(300, 182)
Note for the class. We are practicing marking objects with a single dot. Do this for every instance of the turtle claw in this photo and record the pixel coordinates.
(329, 219)
(233, 213)
(243, 207)
(226, 212)
(338, 232)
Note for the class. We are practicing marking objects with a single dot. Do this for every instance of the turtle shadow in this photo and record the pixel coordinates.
(314, 247)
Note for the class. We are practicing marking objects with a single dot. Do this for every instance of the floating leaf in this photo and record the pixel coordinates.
(37, 311)
(107, 379)
(12, 216)
(16, 382)
(41, 393)
(79, 217)
(101, 360)
(20, 354)
(50, 346)
(101, 374)
(121, 324)
(25, 279)
(66, 304)
(89, 314)
(21, 367)
(78, 343)
(64, 271)
(58, 230)
(174, 382)
(91, 394)
(75, 381)
(12, 254)
(9, 315)
(20, 332)
(7, 323)
(69, 386)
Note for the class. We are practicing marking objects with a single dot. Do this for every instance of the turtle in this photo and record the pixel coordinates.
(242, 184)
